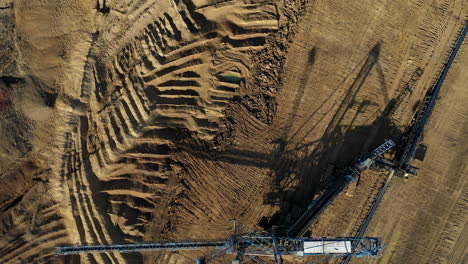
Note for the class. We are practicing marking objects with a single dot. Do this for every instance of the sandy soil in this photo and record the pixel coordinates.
(342, 98)
(128, 121)
(424, 220)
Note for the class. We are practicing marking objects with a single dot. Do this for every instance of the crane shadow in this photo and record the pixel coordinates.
(301, 170)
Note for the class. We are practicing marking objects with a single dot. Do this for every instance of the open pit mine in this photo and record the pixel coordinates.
(233, 131)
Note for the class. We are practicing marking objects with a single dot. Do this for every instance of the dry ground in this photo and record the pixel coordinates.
(403, 69)
(424, 220)
(149, 120)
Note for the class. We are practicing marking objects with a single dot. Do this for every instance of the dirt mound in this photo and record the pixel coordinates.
(128, 121)
(144, 77)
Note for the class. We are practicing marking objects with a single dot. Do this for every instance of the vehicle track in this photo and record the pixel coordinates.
(167, 83)
(416, 138)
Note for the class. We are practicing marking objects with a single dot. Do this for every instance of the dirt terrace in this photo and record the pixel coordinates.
(150, 120)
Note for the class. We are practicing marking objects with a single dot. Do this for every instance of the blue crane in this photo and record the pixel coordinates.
(248, 247)
(350, 174)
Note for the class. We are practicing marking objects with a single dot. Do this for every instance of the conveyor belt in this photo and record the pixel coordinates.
(302, 225)
(429, 102)
(65, 250)
(416, 133)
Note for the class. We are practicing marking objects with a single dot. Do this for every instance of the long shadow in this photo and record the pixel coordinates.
(300, 170)
(282, 143)
(294, 201)
(299, 173)
(300, 93)
(253, 158)
(285, 170)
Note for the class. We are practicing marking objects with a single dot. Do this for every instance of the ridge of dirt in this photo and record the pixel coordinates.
(129, 121)
(268, 71)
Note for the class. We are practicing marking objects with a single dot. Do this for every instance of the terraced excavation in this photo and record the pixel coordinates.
(142, 91)
(162, 120)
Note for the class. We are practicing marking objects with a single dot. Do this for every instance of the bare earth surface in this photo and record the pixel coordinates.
(433, 207)
(129, 121)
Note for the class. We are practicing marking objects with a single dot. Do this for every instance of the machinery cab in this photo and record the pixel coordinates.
(407, 171)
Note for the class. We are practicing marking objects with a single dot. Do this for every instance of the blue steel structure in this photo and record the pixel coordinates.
(350, 174)
(251, 245)
(416, 132)
(368, 160)
(123, 248)
(247, 247)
